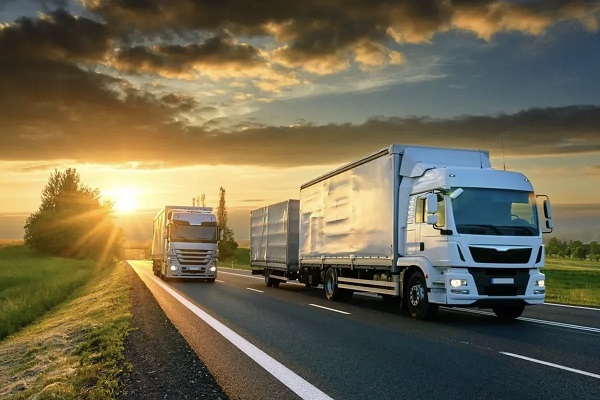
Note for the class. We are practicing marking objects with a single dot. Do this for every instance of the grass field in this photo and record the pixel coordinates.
(75, 350)
(572, 282)
(240, 259)
(31, 285)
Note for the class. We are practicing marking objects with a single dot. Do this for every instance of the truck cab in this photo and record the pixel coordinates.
(187, 243)
(478, 234)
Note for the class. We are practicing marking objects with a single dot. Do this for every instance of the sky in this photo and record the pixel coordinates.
(157, 102)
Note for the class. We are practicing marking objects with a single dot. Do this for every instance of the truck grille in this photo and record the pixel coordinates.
(490, 255)
(483, 281)
(193, 256)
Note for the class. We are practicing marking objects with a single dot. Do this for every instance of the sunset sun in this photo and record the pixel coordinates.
(125, 199)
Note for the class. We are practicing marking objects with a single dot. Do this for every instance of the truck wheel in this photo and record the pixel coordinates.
(417, 300)
(508, 312)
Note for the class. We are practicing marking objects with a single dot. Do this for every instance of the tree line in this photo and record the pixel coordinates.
(73, 221)
(575, 249)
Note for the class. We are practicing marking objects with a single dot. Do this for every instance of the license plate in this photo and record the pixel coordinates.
(194, 268)
(503, 281)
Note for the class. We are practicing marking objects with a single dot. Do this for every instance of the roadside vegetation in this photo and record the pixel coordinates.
(31, 285)
(240, 259)
(71, 350)
(571, 281)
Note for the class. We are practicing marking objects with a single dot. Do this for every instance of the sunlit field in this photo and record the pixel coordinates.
(31, 285)
(572, 281)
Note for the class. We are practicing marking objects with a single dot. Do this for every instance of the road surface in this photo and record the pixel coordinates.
(290, 342)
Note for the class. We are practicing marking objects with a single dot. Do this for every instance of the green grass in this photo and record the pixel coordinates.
(572, 282)
(239, 260)
(31, 285)
(75, 351)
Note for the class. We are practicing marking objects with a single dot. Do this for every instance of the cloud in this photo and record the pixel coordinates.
(218, 56)
(72, 88)
(133, 135)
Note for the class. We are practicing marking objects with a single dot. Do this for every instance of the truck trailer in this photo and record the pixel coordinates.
(421, 226)
(185, 243)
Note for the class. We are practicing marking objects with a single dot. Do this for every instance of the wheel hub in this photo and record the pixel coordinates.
(416, 295)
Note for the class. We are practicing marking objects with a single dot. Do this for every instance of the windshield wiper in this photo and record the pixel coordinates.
(491, 227)
(521, 228)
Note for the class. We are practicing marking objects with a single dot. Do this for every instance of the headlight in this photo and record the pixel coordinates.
(458, 282)
(540, 283)
(212, 269)
(174, 268)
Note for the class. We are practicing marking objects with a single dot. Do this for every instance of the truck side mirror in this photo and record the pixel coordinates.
(547, 209)
(547, 213)
(431, 208)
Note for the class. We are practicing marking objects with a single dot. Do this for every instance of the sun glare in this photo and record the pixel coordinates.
(125, 199)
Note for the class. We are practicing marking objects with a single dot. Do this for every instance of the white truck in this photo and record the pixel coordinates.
(184, 243)
(423, 226)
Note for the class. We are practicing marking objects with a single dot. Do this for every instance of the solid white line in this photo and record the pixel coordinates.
(533, 320)
(261, 278)
(569, 306)
(577, 371)
(330, 309)
(255, 290)
(242, 275)
(220, 281)
(286, 376)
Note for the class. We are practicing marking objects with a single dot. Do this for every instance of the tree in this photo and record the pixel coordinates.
(227, 245)
(72, 221)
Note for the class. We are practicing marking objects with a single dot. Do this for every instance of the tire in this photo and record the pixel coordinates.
(211, 280)
(508, 312)
(330, 286)
(270, 282)
(417, 300)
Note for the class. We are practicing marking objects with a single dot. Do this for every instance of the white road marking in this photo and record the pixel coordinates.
(330, 309)
(570, 306)
(220, 281)
(532, 320)
(577, 371)
(243, 275)
(474, 311)
(294, 382)
(258, 277)
(255, 290)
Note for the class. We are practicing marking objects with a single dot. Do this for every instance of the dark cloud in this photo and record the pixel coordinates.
(169, 60)
(64, 93)
(127, 136)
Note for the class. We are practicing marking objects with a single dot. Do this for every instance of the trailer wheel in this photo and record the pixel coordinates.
(270, 282)
(332, 291)
(508, 312)
(417, 299)
(330, 285)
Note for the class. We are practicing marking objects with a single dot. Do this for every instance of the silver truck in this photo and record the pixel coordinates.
(185, 243)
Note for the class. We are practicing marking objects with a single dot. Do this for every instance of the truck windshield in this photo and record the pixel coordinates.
(194, 233)
(484, 211)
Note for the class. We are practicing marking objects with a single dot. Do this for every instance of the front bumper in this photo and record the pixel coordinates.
(489, 287)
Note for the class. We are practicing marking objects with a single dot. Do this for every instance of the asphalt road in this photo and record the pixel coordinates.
(290, 342)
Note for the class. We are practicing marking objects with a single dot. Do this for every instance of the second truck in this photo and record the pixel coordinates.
(422, 226)
(185, 243)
